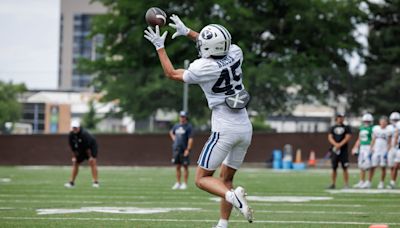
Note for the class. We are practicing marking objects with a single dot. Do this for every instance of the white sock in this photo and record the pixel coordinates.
(223, 223)
(392, 182)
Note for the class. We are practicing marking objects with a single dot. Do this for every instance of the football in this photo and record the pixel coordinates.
(156, 16)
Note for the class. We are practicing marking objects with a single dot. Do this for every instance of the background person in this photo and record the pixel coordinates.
(84, 147)
(339, 137)
(391, 157)
(182, 137)
(380, 145)
(362, 148)
(392, 184)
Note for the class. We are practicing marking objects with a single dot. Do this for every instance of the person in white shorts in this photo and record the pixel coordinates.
(362, 149)
(380, 145)
(396, 146)
(218, 72)
(394, 119)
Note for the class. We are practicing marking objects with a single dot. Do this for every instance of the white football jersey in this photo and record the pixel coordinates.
(392, 128)
(397, 142)
(382, 135)
(220, 78)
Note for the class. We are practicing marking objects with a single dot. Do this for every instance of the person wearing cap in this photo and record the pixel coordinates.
(362, 149)
(182, 137)
(84, 147)
(339, 137)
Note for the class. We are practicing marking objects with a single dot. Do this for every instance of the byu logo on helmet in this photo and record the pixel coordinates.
(214, 40)
(207, 34)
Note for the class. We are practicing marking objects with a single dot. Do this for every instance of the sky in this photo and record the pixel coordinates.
(29, 37)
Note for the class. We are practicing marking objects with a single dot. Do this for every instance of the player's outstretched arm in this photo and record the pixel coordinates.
(158, 42)
(169, 70)
(181, 29)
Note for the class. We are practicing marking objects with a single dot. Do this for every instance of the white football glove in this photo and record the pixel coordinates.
(181, 29)
(155, 38)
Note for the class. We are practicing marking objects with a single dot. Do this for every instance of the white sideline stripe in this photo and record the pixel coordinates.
(188, 203)
(258, 211)
(197, 220)
(365, 191)
(316, 212)
(133, 197)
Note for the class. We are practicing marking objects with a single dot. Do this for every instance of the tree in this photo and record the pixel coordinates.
(10, 108)
(294, 51)
(378, 90)
(90, 120)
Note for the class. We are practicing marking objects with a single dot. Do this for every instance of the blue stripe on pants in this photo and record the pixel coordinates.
(205, 152)
(212, 147)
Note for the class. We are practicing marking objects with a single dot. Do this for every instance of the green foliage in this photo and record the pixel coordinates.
(10, 108)
(304, 51)
(259, 124)
(378, 90)
(90, 120)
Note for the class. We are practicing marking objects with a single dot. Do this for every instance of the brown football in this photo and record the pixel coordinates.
(156, 16)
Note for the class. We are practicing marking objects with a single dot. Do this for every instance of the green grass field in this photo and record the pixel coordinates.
(124, 192)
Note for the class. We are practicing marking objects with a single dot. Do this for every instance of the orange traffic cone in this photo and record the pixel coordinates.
(312, 161)
(298, 156)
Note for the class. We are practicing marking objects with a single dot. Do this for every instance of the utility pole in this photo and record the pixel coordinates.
(186, 90)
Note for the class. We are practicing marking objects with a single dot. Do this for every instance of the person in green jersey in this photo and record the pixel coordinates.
(362, 149)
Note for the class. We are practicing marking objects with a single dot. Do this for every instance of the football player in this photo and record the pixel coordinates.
(380, 145)
(362, 149)
(219, 74)
(394, 119)
(397, 156)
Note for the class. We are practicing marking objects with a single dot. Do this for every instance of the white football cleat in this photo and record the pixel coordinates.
(96, 185)
(391, 185)
(69, 185)
(218, 226)
(359, 184)
(176, 186)
(381, 185)
(183, 186)
(241, 204)
(366, 185)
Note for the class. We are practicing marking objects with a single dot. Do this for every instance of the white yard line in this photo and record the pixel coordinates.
(196, 220)
(365, 191)
(183, 203)
(315, 212)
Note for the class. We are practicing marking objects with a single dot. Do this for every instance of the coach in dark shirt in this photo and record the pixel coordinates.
(339, 137)
(84, 147)
(182, 137)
